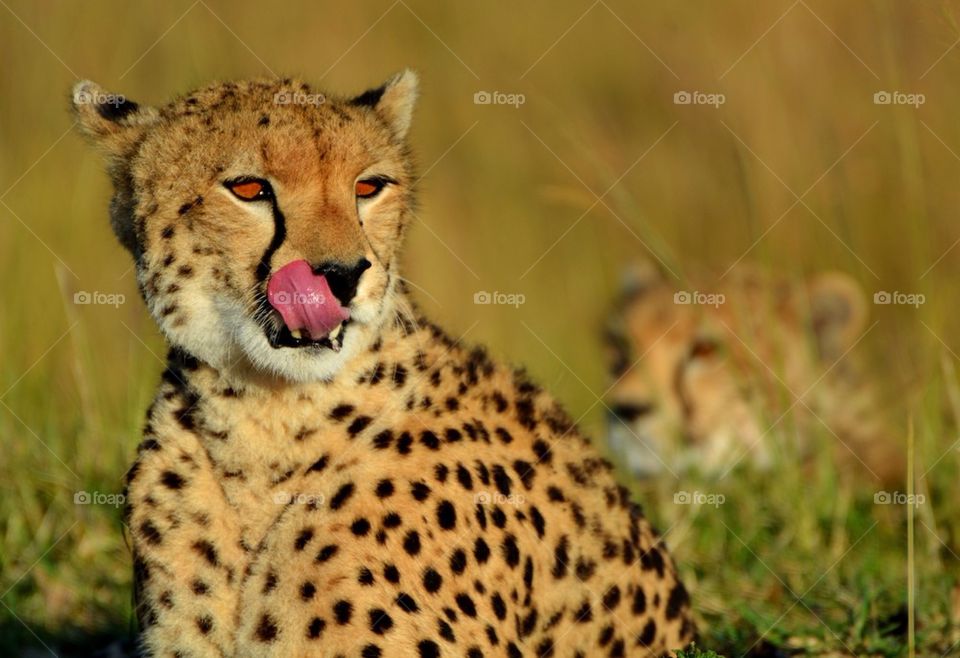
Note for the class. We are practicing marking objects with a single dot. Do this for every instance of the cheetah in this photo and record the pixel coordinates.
(323, 471)
(709, 383)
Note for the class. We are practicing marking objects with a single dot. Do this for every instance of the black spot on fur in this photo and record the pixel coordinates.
(359, 424)
(411, 543)
(677, 601)
(446, 515)
(318, 465)
(205, 624)
(432, 580)
(380, 621)
(342, 611)
(360, 527)
(327, 552)
(303, 539)
(341, 411)
(639, 601)
(307, 590)
(561, 557)
(266, 629)
(430, 440)
(383, 440)
(648, 634)
(481, 551)
(384, 488)
(404, 443)
(428, 649)
(458, 561)
(407, 603)
(511, 554)
(150, 533)
(342, 496)
(207, 551)
(315, 628)
(171, 480)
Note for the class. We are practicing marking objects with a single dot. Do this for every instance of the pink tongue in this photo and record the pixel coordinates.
(304, 300)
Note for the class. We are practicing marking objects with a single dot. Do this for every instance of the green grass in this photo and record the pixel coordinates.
(795, 561)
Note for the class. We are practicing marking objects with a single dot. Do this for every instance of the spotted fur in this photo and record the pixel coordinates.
(403, 496)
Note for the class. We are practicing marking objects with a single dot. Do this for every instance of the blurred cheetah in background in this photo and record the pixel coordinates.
(722, 380)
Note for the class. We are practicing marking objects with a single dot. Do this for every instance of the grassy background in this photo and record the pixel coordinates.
(791, 562)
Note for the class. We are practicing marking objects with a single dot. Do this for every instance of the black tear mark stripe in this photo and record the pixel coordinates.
(279, 235)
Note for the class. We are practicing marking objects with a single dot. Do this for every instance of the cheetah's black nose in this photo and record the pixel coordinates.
(343, 279)
(630, 411)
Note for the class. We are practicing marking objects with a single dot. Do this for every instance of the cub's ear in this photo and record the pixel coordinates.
(111, 121)
(639, 277)
(838, 313)
(393, 100)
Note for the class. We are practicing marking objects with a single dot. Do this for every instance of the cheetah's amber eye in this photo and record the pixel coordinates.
(250, 189)
(368, 188)
(704, 348)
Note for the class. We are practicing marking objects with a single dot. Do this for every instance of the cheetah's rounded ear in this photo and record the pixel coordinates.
(393, 100)
(640, 276)
(838, 313)
(112, 121)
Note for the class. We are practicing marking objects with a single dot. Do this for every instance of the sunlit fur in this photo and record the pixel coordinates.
(197, 247)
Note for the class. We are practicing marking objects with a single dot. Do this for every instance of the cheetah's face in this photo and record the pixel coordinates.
(703, 385)
(264, 218)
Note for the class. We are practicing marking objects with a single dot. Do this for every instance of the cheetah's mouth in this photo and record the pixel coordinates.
(302, 339)
(311, 314)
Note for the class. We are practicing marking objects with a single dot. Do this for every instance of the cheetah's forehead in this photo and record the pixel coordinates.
(253, 94)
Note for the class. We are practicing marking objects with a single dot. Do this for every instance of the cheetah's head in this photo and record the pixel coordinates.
(264, 218)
